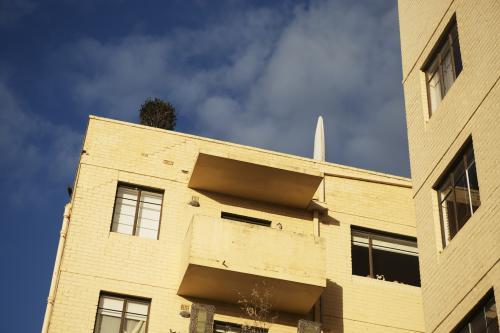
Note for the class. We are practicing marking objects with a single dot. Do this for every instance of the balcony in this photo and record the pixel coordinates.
(276, 181)
(223, 261)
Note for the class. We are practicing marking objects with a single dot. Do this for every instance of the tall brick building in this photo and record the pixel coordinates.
(451, 72)
(168, 232)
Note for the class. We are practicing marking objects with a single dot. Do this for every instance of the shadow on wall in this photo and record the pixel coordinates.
(332, 308)
(328, 220)
(234, 310)
(331, 305)
(256, 205)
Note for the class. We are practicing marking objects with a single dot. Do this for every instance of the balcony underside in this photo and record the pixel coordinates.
(272, 183)
(231, 287)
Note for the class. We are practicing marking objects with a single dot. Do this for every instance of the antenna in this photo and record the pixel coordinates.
(319, 141)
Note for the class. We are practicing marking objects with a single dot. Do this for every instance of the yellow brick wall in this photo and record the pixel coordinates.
(456, 277)
(96, 259)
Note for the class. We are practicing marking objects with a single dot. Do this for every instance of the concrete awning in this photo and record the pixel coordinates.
(266, 182)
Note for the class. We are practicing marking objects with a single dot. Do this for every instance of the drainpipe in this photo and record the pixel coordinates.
(57, 268)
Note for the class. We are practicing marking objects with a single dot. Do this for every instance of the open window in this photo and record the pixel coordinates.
(482, 318)
(385, 256)
(443, 66)
(458, 192)
(245, 219)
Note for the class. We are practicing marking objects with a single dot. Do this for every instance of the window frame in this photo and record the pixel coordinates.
(370, 233)
(449, 176)
(245, 219)
(444, 45)
(480, 306)
(241, 327)
(125, 298)
(139, 188)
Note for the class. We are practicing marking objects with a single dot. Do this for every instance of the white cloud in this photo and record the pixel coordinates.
(262, 77)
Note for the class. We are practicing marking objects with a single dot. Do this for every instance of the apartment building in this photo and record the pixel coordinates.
(451, 71)
(168, 232)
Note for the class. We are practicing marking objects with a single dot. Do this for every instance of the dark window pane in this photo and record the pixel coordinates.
(490, 311)
(222, 327)
(474, 187)
(245, 219)
(462, 201)
(482, 319)
(457, 57)
(360, 261)
(393, 266)
(478, 322)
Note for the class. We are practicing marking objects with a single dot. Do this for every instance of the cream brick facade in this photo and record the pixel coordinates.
(96, 259)
(455, 277)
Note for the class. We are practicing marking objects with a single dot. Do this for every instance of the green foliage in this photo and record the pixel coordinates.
(158, 113)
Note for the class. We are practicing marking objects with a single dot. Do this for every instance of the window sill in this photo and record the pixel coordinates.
(368, 281)
(119, 235)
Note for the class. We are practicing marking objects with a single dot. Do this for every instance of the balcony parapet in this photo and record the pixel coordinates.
(224, 260)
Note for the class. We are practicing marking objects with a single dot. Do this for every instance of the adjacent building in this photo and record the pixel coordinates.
(169, 232)
(451, 72)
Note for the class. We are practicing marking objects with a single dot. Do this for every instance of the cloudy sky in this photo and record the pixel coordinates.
(252, 72)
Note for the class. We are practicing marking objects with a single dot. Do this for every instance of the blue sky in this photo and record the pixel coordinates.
(251, 72)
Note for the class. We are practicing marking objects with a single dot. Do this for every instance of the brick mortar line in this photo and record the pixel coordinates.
(465, 296)
(370, 218)
(112, 279)
(455, 138)
(394, 183)
(133, 172)
(369, 322)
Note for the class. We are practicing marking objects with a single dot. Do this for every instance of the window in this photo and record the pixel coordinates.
(482, 319)
(118, 314)
(225, 327)
(385, 256)
(137, 211)
(202, 318)
(458, 192)
(443, 67)
(245, 219)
